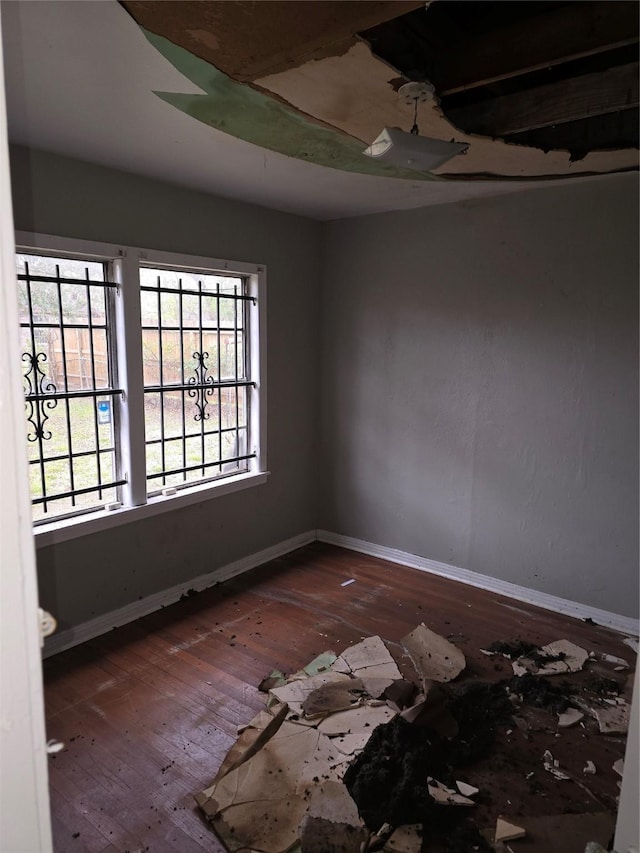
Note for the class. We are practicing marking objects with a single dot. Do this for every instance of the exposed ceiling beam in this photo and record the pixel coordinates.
(572, 32)
(568, 100)
(599, 133)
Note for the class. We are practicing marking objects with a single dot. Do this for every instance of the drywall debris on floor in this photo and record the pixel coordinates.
(569, 718)
(552, 765)
(434, 658)
(557, 658)
(614, 719)
(467, 790)
(369, 659)
(507, 831)
(568, 833)
(405, 839)
(348, 756)
(446, 796)
(332, 822)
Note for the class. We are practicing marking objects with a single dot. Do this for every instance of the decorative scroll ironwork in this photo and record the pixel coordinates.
(202, 389)
(36, 387)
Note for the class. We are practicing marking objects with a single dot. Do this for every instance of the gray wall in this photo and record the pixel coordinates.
(479, 394)
(480, 387)
(95, 574)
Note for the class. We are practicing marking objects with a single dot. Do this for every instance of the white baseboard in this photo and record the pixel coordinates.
(623, 624)
(130, 612)
(136, 609)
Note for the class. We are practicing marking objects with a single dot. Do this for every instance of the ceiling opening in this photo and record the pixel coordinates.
(550, 75)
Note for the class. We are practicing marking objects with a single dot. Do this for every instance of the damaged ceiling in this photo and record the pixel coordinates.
(537, 89)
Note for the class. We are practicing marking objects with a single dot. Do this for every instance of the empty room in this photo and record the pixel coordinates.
(319, 400)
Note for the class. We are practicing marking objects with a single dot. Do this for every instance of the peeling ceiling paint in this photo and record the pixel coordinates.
(238, 109)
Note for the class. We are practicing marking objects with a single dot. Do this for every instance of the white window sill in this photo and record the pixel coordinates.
(72, 528)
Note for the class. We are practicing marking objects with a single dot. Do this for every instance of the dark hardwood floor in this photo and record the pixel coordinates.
(148, 711)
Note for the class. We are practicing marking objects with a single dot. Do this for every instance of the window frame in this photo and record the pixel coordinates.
(125, 262)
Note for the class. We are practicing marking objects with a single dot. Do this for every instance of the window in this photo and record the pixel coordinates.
(142, 379)
(194, 345)
(66, 311)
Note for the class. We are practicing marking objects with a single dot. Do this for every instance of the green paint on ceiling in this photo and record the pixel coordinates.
(237, 109)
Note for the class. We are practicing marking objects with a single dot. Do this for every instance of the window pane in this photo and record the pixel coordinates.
(196, 340)
(66, 355)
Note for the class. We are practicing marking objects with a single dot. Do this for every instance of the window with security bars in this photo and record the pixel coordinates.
(70, 383)
(195, 359)
(142, 378)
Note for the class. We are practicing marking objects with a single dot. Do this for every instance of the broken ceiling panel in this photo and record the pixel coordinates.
(246, 806)
(357, 92)
(435, 658)
(502, 70)
(247, 40)
(556, 82)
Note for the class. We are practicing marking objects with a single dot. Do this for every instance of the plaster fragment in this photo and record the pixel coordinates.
(506, 831)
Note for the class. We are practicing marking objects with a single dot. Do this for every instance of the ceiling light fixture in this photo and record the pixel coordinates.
(410, 150)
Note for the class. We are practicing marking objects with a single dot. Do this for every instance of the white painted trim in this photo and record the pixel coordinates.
(25, 822)
(137, 609)
(623, 624)
(93, 522)
(70, 246)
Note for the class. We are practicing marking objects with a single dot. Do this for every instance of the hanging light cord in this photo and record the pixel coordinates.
(414, 129)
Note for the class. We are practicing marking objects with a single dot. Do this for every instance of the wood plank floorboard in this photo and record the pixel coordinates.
(148, 711)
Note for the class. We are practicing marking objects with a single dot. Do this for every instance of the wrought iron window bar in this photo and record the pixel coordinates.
(42, 395)
(202, 385)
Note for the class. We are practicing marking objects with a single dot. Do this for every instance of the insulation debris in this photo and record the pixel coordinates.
(434, 658)
(506, 831)
(589, 769)
(557, 658)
